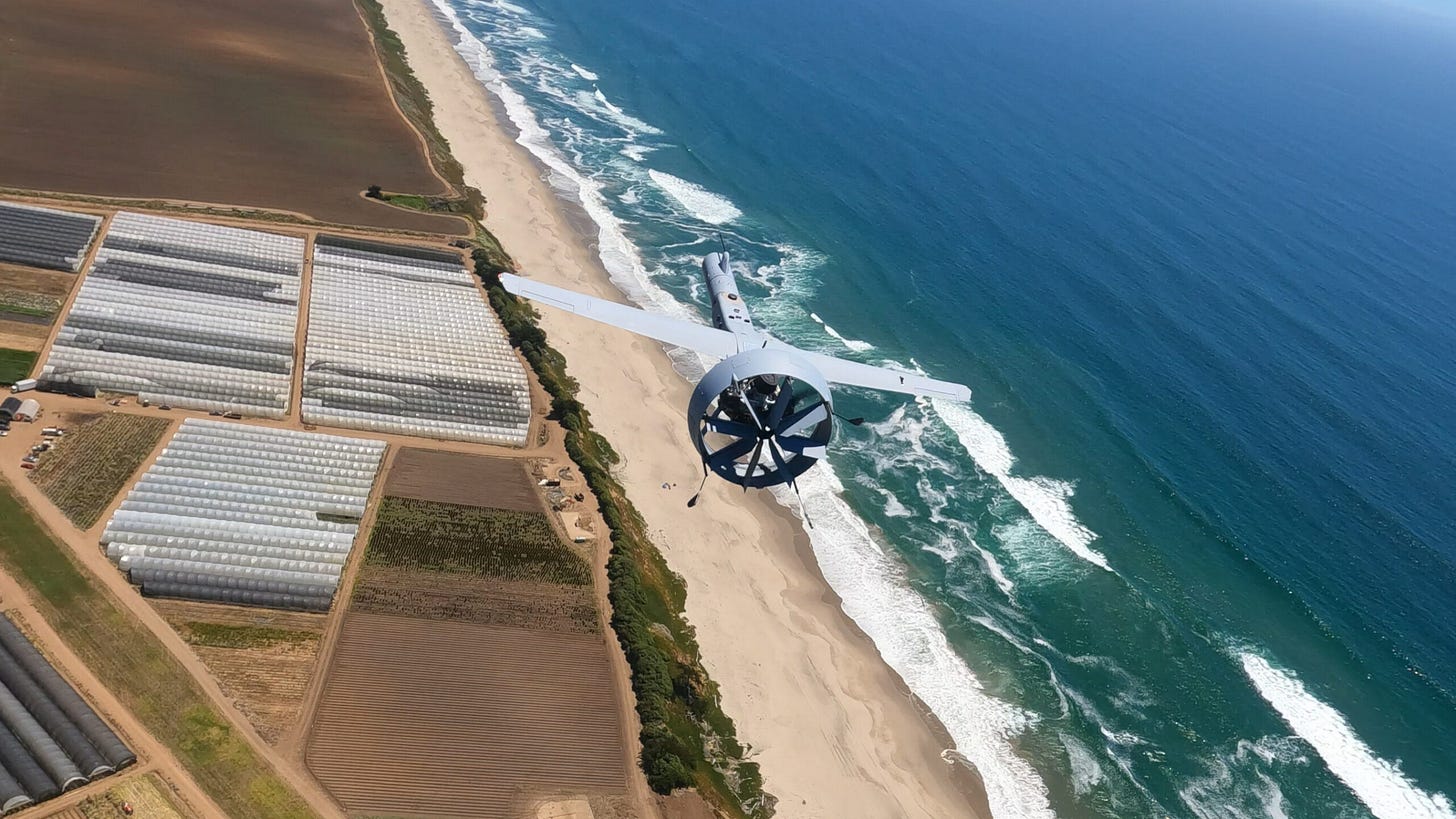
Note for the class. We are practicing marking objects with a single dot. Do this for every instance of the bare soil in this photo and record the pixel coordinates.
(266, 103)
(524, 714)
(462, 478)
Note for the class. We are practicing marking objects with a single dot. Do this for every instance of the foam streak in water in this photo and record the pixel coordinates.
(1046, 500)
(1378, 783)
(852, 343)
(583, 73)
(700, 203)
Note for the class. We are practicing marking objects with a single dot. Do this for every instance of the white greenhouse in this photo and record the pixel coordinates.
(401, 341)
(247, 515)
(187, 314)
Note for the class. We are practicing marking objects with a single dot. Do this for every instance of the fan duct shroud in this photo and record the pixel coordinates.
(761, 417)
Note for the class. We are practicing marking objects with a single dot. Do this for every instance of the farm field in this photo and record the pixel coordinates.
(146, 794)
(534, 707)
(215, 102)
(95, 459)
(464, 599)
(461, 478)
(29, 302)
(263, 659)
(15, 364)
(454, 538)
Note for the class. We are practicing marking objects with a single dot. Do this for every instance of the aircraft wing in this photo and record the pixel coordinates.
(854, 374)
(679, 333)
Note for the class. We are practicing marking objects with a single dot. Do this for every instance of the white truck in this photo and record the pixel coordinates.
(23, 385)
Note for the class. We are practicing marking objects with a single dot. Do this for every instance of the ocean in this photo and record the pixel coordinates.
(1189, 551)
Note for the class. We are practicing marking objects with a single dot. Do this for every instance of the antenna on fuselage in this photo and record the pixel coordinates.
(722, 244)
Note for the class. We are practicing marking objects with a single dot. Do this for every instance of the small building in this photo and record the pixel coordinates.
(8, 408)
(29, 410)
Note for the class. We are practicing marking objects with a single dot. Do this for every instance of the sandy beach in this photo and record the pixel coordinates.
(831, 725)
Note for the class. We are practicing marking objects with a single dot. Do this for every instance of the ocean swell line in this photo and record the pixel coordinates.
(1378, 783)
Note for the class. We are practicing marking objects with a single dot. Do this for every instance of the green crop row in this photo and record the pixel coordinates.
(86, 469)
(448, 537)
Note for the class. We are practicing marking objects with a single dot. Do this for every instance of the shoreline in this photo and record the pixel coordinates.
(835, 730)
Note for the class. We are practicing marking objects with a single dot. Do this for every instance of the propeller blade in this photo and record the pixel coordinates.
(728, 454)
(727, 426)
(781, 403)
(803, 420)
(752, 413)
(778, 459)
(801, 445)
(750, 468)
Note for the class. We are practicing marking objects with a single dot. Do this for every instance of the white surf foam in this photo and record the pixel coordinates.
(584, 74)
(617, 253)
(622, 118)
(1086, 773)
(637, 153)
(699, 202)
(905, 631)
(1378, 783)
(852, 343)
(1046, 500)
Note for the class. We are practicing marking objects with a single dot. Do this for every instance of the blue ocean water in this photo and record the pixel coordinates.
(1191, 551)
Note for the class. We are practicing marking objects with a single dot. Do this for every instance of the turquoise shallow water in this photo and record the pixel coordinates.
(1190, 550)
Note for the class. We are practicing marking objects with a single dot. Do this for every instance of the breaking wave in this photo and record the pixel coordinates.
(622, 118)
(1378, 783)
(699, 202)
(1045, 499)
(584, 74)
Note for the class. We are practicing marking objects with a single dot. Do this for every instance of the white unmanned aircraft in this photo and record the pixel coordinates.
(764, 414)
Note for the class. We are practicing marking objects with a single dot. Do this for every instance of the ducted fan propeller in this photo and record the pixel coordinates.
(761, 418)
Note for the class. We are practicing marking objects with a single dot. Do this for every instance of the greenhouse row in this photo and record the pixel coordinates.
(50, 739)
(43, 237)
(186, 314)
(401, 341)
(246, 515)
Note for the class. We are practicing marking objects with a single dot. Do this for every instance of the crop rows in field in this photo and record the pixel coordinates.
(94, 461)
(464, 599)
(446, 537)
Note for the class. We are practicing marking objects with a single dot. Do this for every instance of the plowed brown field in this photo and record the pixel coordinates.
(425, 718)
(263, 103)
(457, 477)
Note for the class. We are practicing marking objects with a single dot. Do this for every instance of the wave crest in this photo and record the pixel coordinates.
(699, 202)
(1378, 783)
